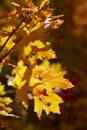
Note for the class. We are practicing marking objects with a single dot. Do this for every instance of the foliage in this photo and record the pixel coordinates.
(3, 102)
(34, 77)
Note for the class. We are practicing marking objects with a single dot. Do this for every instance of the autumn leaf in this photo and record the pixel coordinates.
(40, 49)
(36, 50)
(48, 103)
(19, 72)
(25, 32)
(44, 79)
(4, 102)
(7, 47)
(6, 111)
(44, 3)
(47, 75)
(28, 49)
(7, 30)
(2, 92)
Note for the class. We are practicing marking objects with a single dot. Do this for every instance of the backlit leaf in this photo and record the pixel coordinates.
(44, 79)
(44, 3)
(48, 103)
(2, 92)
(5, 101)
(47, 75)
(19, 72)
(24, 46)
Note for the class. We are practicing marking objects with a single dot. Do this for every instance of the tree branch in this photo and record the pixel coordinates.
(11, 34)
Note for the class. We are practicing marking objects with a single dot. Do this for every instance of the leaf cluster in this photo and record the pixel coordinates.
(34, 78)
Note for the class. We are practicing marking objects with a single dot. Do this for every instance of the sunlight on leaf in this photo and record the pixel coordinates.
(49, 76)
(5, 101)
(48, 103)
(19, 71)
(25, 34)
(2, 92)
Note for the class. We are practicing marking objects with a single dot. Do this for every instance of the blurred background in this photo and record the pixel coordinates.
(70, 43)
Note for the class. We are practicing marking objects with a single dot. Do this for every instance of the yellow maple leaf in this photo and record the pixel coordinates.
(37, 26)
(37, 50)
(7, 46)
(19, 73)
(2, 92)
(28, 48)
(44, 9)
(44, 3)
(44, 78)
(8, 29)
(46, 53)
(49, 103)
(6, 111)
(47, 75)
(5, 101)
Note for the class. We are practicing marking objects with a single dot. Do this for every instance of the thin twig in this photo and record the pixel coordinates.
(8, 40)
(10, 64)
(7, 53)
(10, 91)
(10, 37)
(11, 34)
